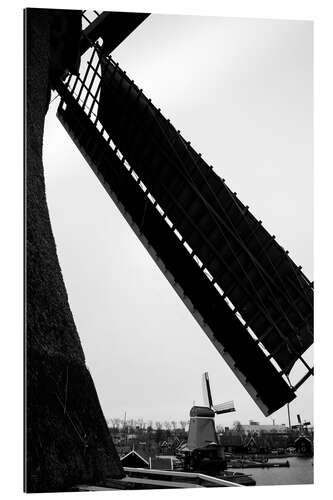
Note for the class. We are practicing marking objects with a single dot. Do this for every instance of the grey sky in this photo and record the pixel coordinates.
(241, 91)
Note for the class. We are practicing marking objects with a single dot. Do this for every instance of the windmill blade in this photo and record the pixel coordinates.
(306, 423)
(253, 288)
(299, 419)
(224, 407)
(206, 393)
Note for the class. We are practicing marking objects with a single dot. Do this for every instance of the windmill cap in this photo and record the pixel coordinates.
(201, 411)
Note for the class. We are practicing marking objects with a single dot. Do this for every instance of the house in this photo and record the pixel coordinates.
(135, 459)
(165, 447)
(232, 443)
(304, 446)
(251, 445)
(169, 446)
(262, 444)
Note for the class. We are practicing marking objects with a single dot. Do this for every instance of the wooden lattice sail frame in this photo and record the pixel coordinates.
(249, 297)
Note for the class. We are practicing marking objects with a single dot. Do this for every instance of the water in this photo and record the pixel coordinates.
(299, 472)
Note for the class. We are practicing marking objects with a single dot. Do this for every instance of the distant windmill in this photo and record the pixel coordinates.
(301, 425)
(203, 450)
(208, 401)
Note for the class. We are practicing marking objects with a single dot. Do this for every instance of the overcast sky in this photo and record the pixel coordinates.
(241, 91)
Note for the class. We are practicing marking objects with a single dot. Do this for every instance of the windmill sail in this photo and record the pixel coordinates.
(208, 400)
(224, 408)
(253, 302)
(206, 392)
(255, 273)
